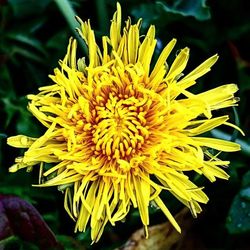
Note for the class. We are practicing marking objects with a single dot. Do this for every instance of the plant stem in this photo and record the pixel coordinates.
(69, 14)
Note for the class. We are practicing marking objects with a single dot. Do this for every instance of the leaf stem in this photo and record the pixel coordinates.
(69, 14)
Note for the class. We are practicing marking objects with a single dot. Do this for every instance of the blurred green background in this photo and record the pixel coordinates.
(34, 36)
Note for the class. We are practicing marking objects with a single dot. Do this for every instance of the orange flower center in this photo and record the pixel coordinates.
(119, 124)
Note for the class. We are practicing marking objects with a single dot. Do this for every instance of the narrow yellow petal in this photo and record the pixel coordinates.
(165, 210)
(115, 28)
(207, 125)
(20, 141)
(218, 144)
(211, 169)
(142, 191)
(201, 70)
(178, 65)
(162, 58)
(220, 97)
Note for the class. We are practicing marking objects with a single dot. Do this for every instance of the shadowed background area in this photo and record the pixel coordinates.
(34, 36)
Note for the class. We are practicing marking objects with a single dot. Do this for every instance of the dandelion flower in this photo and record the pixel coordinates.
(121, 131)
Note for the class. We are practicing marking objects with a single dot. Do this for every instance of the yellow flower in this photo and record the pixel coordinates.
(120, 133)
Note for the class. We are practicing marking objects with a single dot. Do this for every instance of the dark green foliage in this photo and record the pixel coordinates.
(238, 220)
(196, 9)
(34, 36)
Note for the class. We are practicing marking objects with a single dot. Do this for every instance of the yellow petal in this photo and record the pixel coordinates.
(220, 97)
(165, 210)
(218, 144)
(207, 125)
(179, 64)
(162, 58)
(20, 141)
(201, 70)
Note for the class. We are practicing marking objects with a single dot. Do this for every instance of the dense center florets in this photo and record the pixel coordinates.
(123, 120)
(120, 126)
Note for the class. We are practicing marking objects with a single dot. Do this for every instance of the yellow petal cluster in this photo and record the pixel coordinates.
(122, 131)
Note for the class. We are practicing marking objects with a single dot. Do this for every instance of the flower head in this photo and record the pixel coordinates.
(120, 133)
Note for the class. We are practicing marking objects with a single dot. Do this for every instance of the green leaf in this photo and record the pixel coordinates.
(149, 12)
(245, 193)
(70, 243)
(20, 191)
(26, 54)
(238, 220)
(25, 124)
(244, 77)
(246, 180)
(14, 242)
(28, 7)
(9, 109)
(27, 39)
(195, 8)
(7, 88)
(17, 108)
(60, 37)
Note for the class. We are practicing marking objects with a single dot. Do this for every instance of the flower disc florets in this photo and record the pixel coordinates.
(118, 134)
(123, 118)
